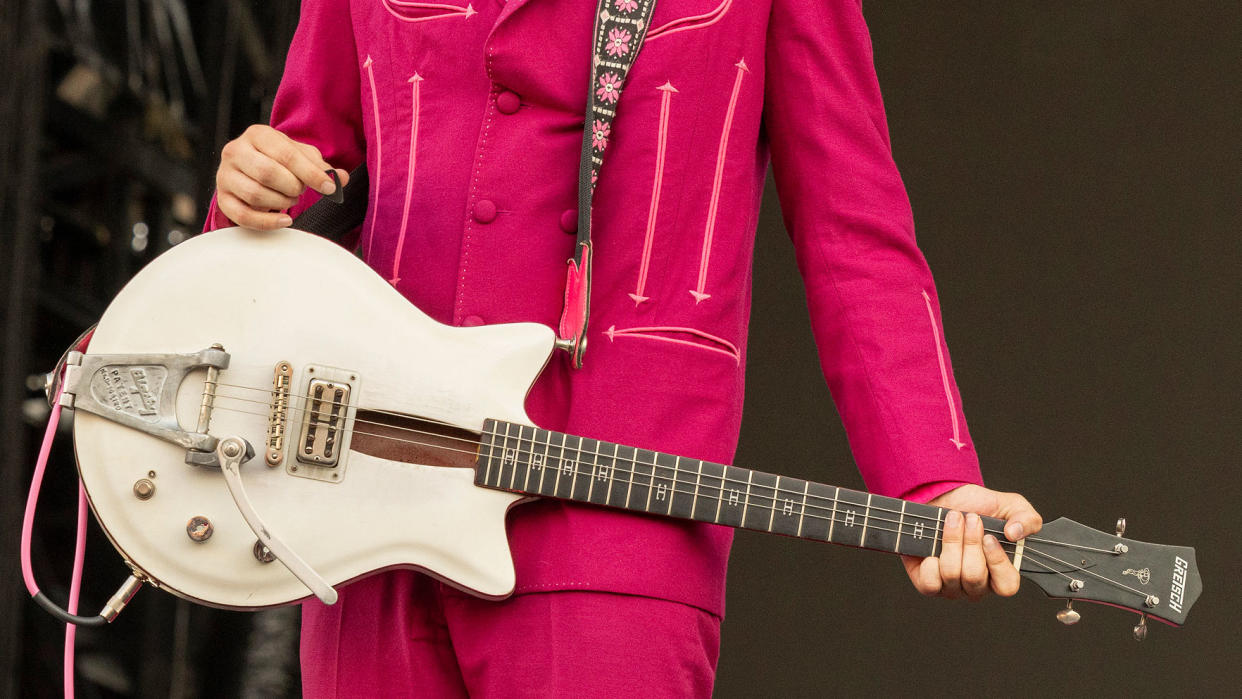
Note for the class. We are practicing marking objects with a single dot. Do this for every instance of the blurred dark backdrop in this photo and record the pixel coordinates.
(1075, 175)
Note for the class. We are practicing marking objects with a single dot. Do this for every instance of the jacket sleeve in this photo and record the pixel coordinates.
(319, 98)
(873, 306)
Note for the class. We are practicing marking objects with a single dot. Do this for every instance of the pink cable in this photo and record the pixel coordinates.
(79, 553)
(75, 588)
(32, 498)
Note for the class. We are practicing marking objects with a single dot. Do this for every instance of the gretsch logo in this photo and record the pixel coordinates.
(1180, 566)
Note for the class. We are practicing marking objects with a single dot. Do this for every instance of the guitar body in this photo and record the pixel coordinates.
(288, 296)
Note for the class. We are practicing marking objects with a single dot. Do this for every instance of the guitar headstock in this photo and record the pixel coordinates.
(1072, 561)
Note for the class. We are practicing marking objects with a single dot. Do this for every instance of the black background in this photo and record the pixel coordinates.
(1075, 178)
(1075, 175)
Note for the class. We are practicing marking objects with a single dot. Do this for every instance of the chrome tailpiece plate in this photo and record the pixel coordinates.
(140, 391)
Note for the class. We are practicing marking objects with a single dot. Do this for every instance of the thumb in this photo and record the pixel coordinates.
(1021, 519)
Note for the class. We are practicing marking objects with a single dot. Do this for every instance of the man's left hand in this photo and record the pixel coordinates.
(972, 563)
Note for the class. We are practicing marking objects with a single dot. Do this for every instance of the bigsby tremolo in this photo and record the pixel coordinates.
(140, 391)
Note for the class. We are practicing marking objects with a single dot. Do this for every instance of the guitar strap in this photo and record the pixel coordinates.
(619, 30)
(618, 35)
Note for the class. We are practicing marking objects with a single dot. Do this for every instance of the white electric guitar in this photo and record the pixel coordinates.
(260, 417)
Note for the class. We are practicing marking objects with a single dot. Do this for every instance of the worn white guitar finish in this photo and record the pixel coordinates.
(287, 296)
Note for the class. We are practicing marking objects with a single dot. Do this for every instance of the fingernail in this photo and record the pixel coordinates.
(990, 543)
(327, 188)
(972, 520)
(1014, 531)
(285, 221)
(953, 519)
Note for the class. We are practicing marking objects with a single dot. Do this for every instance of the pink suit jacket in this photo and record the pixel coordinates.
(470, 120)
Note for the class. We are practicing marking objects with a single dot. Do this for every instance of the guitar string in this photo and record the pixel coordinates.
(580, 452)
(773, 498)
(873, 522)
(476, 444)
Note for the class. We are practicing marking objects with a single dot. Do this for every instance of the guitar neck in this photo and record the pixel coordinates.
(524, 459)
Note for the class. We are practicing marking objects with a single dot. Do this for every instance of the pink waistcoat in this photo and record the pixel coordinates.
(470, 116)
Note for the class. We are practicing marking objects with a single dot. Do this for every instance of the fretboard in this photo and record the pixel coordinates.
(528, 460)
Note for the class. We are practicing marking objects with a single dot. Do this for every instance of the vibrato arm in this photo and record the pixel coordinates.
(232, 452)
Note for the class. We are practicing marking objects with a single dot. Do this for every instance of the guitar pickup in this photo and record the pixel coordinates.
(323, 422)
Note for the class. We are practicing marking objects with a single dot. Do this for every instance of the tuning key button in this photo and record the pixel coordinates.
(1152, 601)
(1068, 616)
(1140, 631)
(1121, 548)
(1076, 585)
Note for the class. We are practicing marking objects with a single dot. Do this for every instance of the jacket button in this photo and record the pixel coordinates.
(569, 220)
(508, 102)
(471, 321)
(485, 211)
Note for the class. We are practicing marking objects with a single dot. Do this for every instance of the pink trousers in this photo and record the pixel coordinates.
(402, 634)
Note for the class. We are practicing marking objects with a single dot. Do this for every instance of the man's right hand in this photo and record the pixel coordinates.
(263, 172)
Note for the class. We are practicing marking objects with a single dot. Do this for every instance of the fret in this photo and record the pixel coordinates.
(707, 500)
(605, 473)
(732, 497)
(862, 540)
(790, 503)
(806, 486)
(644, 475)
(489, 433)
(623, 473)
(760, 499)
(525, 434)
(746, 499)
(539, 459)
(939, 521)
(600, 472)
(848, 518)
(584, 471)
(682, 502)
(566, 469)
(901, 526)
(694, 499)
(882, 517)
(590, 473)
(664, 482)
(819, 508)
(832, 517)
(508, 458)
(917, 538)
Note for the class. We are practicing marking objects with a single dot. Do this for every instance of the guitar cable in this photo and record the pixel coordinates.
(69, 616)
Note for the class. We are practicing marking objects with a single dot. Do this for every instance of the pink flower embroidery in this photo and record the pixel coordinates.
(609, 88)
(599, 135)
(625, 5)
(618, 42)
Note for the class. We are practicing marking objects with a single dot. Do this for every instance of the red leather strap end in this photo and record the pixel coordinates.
(577, 305)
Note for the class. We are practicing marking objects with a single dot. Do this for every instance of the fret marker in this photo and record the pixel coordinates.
(536, 461)
(601, 473)
(734, 494)
(849, 518)
(918, 530)
(788, 509)
(661, 491)
(569, 466)
(510, 457)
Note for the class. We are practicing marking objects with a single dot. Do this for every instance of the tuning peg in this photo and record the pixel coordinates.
(1140, 631)
(1068, 616)
(1121, 526)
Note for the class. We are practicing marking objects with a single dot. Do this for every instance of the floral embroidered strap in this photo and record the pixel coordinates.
(620, 27)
